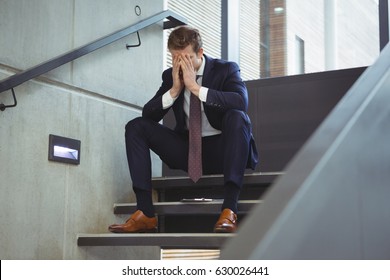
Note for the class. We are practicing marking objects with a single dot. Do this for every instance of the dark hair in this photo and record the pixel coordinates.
(183, 36)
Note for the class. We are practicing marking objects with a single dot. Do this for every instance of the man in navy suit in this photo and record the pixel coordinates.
(228, 146)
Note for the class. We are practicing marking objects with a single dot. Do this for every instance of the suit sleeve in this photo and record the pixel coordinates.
(153, 109)
(233, 93)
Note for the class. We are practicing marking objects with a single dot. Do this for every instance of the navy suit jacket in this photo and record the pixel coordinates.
(226, 91)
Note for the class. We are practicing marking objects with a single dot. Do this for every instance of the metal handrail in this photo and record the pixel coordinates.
(19, 78)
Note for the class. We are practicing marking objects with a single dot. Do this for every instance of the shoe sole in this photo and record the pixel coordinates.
(222, 230)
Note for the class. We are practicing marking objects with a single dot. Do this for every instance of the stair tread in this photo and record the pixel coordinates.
(212, 180)
(163, 240)
(177, 207)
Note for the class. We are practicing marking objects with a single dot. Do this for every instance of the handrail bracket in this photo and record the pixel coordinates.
(136, 45)
(3, 107)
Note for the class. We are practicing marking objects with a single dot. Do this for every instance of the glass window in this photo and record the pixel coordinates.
(288, 37)
(299, 55)
(250, 40)
(304, 36)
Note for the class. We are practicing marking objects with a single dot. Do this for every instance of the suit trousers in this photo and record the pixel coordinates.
(225, 153)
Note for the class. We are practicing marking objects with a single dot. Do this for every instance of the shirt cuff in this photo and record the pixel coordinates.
(167, 100)
(203, 94)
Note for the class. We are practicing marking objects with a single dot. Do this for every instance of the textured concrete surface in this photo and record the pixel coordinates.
(43, 204)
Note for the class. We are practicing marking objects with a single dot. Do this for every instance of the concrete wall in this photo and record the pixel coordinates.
(44, 205)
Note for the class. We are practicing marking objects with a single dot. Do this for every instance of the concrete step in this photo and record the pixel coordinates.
(163, 240)
(174, 212)
(185, 208)
(260, 178)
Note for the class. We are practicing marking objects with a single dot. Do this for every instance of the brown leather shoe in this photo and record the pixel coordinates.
(138, 222)
(227, 222)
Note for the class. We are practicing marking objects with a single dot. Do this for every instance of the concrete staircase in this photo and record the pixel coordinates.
(188, 223)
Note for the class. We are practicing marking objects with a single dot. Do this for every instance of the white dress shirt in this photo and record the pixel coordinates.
(167, 100)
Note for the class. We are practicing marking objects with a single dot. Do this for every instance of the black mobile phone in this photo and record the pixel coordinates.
(196, 200)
